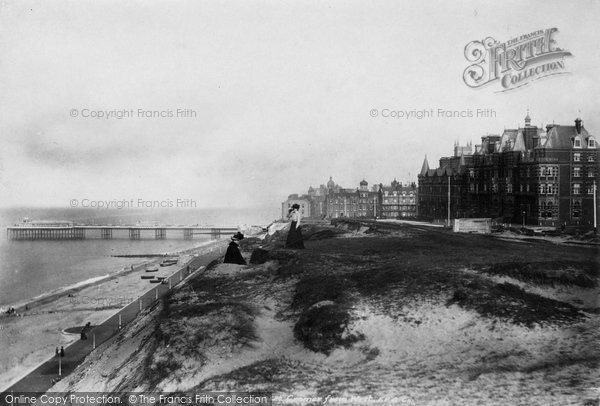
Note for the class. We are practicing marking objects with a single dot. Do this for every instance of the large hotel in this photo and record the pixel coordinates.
(529, 175)
(333, 201)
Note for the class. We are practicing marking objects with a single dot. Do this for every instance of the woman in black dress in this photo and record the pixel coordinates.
(294, 237)
(233, 254)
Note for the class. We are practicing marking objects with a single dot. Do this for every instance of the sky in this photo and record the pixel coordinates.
(279, 94)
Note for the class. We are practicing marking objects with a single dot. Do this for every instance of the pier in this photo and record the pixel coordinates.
(82, 232)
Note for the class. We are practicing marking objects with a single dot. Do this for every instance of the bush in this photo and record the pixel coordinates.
(259, 256)
(314, 289)
(324, 328)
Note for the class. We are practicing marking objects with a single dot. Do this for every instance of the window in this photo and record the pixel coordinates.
(590, 173)
(543, 171)
(576, 157)
(577, 142)
(591, 190)
(576, 208)
(549, 210)
(550, 189)
(542, 209)
(509, 188)
(591, 143)
(521, 188)
(576, 188)
(576, 172)
(591, 158)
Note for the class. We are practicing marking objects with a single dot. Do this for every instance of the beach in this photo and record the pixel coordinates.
(39, 326)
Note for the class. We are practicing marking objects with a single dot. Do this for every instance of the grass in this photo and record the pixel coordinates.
(578, 273)
(205, 313)
(316, 288)
(212, 311)
(511, 303)
(390, 272)
(324, 328)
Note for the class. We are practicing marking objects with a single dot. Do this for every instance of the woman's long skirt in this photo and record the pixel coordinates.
(294, 237)
(233, 255)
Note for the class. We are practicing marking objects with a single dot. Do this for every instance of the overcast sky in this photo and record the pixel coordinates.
(282, 93)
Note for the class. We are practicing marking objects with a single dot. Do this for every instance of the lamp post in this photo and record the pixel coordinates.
(595, 204)
(448, 201)
(523, 215)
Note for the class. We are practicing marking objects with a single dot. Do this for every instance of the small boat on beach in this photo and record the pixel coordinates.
(147, 276)
(160, 278)
(152, 269)
(154, 280)
(169, 262)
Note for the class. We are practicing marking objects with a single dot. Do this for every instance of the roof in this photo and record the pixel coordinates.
(561, 136)
(519, 144)
(425, 167)
(508, 139)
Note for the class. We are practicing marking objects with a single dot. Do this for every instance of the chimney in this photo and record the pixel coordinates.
(578, 125)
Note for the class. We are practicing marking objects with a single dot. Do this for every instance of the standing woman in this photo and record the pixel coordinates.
(294, 237)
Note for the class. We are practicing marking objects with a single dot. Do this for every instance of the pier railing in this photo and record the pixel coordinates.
(116, 232)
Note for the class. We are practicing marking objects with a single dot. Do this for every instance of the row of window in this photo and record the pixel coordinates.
(577, 189)
(395, 193)
(388, 208)
(548, 171)
(388, 201)
(396, 214)
(591, 143)
(577, 173)
(577, 157)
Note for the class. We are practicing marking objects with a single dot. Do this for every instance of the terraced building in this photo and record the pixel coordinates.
(530, 175)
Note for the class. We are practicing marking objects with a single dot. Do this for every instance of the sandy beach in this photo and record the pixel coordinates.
(34, 334)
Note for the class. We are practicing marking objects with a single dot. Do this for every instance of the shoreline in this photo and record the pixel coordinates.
(47, 297)
(33, 334)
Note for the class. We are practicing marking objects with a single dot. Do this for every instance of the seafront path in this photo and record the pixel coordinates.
(45, 375)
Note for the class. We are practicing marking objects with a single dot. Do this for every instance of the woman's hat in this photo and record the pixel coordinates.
(238, 236)
(295, 206)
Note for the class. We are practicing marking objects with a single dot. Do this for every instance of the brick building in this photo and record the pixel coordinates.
(379, 201)
(398, 201)
(539, 176)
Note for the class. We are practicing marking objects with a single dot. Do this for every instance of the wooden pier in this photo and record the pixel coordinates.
(116, 232)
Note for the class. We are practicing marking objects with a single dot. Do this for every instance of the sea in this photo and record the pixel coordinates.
(33, 269)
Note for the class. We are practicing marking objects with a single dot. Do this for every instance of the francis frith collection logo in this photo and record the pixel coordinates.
(514, 63)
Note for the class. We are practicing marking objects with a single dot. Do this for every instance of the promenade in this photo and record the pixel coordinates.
(43, 377)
